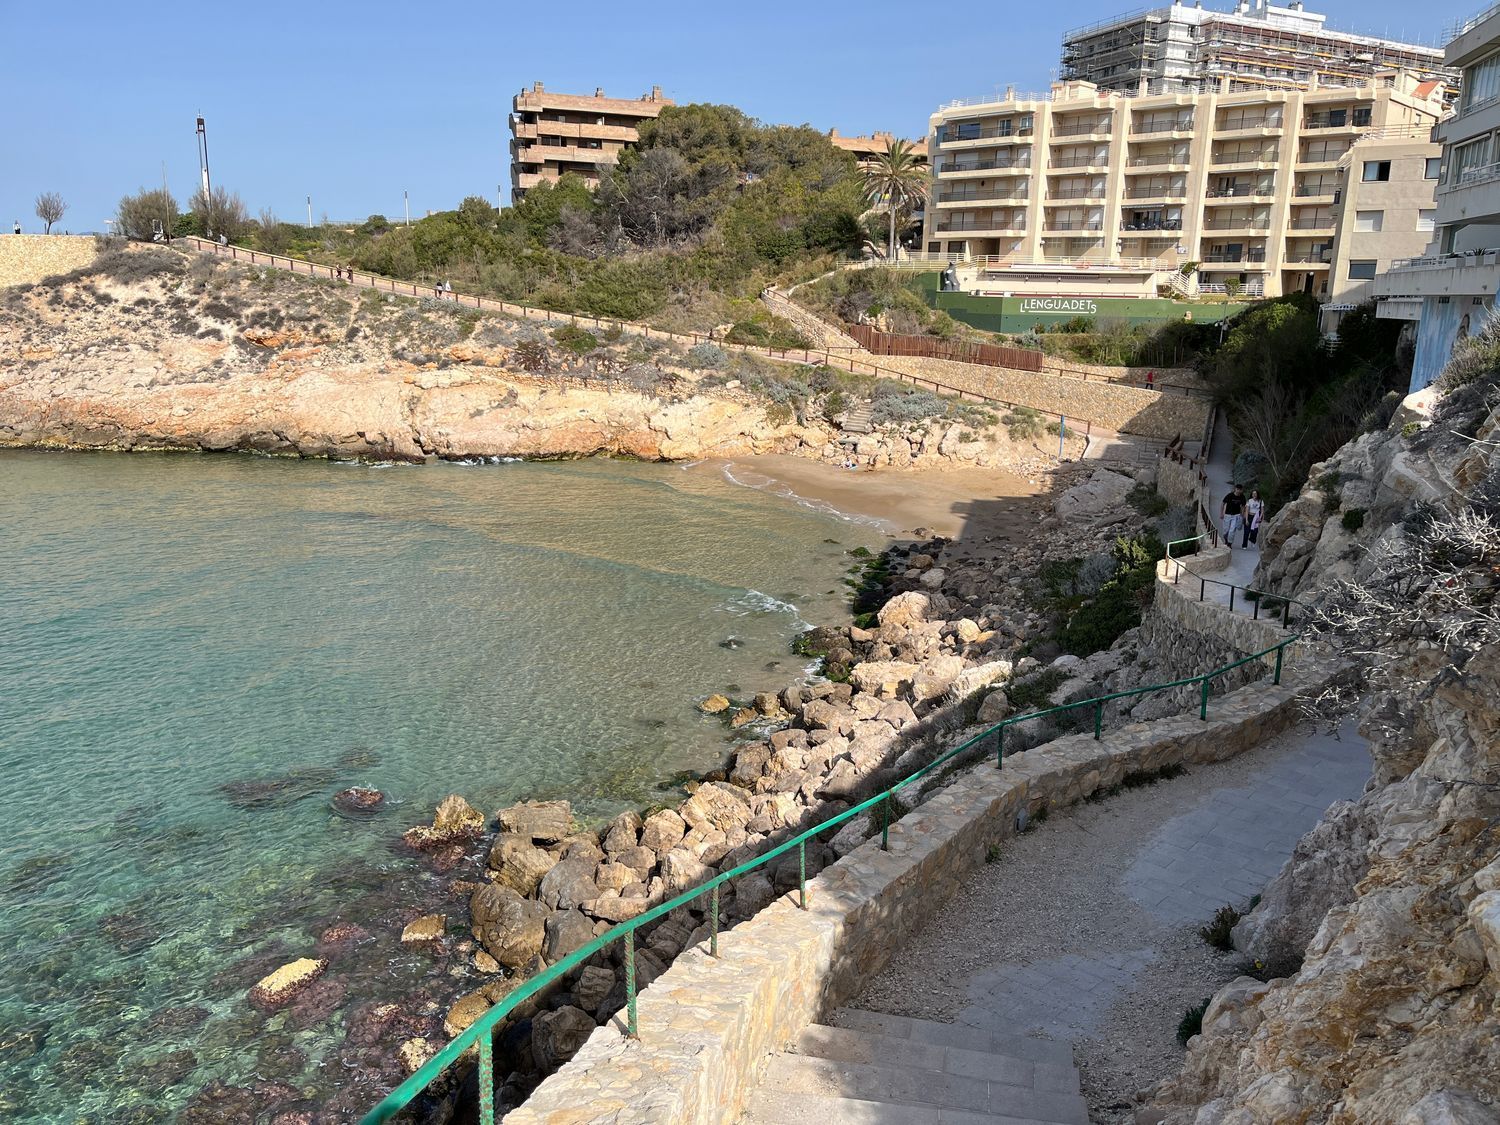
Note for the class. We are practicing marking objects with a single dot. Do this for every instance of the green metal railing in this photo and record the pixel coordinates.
(480, 1031)
(1257, 598)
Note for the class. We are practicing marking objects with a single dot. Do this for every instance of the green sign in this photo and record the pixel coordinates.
(1013, 315)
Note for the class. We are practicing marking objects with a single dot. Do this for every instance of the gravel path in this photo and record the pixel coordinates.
(1086, 929)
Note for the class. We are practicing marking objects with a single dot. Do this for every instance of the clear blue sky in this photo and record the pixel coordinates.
(351, 103)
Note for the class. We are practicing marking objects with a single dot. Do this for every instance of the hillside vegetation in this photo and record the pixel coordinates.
(684, 232)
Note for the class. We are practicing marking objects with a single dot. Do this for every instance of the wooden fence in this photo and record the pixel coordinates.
(990, 355)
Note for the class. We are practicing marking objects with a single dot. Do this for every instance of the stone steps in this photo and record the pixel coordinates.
(859, 420)
(899, 1071)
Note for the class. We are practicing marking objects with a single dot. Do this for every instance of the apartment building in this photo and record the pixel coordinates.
(1246, 183)
(1387, 213)
(1255, 43)
(866, 149)
(1449, 292)
(551, 134)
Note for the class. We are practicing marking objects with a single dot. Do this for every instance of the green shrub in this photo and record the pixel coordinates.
(702, 357)
(1192, 1021)
(1411, 429)
(532, 356)
(571, 338)
(1354, 519)
(1217, 932)
(1023, 424)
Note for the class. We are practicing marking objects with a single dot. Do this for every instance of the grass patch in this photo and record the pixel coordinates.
(1192, 1021)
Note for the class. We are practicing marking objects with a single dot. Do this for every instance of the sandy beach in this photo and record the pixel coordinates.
(972, 504)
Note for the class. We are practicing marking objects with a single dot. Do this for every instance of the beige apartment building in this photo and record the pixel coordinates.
(1246, 183)
(551, 134)
(1387, 213)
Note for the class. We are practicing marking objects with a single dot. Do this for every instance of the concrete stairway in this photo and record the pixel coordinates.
(859, 420)
(875, 1069)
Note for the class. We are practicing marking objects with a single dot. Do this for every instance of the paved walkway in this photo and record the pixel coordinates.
(1086, 929)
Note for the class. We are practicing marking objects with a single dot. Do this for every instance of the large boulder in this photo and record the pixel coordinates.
(623, 832)
(971, 680)
(455, 821)
(557, 1035)
(909, 608)
(885, 678)
(540, 822)
(566, 931)
(824, 714)
(662, 831)
(1102, 494)
(935, 676)
(518, 863)
(511, 928)
(716, 806)
(278, 989)
(568, 884)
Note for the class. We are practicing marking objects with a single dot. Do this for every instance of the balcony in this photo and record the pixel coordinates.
(1000, 167)
(1334, 122)
(1317, 191)
(1149, 228)
(1097, 160)
(985, 226)
(951, 136)
(1176, 125)
(1160, 160)
(1246, 158)
(1321, 156)
(1307, 262)
(1217, 197)
(1074, 224)
(990, 195)
(1081, 129)
(1256, 255)
(1312, 222)
(1158, 195)
(1461, 275)
(1077, 193)
(1246, 224)
(1239, 127)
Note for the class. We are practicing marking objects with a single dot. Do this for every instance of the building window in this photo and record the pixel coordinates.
(1467, 158)
(1427, 219)
(1377, 171)
(1481, 82)
(1368, 222)
(1362, 270)
(1434, 168)
(1362, 115)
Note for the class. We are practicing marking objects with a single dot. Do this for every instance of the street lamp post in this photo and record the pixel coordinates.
(309, 212)
(406, 203)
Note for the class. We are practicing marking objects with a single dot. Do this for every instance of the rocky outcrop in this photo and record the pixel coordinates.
(1379, 938)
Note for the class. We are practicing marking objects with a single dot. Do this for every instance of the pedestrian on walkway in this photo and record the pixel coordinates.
(1231, 515)
(1151, 380)
(18, 227)
(1255, 509)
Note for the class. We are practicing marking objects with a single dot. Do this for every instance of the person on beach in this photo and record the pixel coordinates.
(1255, 509)
(1231, 515)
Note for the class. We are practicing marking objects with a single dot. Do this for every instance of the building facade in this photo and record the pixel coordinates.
(1254, 43)
(552, 134)
(866, 149)
(1449, 292)
(1244, 184)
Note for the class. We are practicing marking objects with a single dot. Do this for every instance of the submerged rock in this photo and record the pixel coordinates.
(456, 821)
(425, 930)
(280, 988)
(358, 802)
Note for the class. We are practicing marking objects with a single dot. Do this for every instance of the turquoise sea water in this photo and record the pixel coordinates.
(196, 653)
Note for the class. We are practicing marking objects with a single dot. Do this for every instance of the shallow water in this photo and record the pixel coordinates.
(198, 652)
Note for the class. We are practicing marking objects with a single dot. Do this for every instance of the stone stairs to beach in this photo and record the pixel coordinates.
(859, 420)
(877, 1069)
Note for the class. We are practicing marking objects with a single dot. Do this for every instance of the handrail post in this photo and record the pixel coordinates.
(486, 1079)
(802, 874)
(1286, 612)
(632, 1028)
(1256, 615)
(1279, 650)
(1202, 588)
(713, 922)
(1098, 720)
(1203, 706)
(1231, 597)
(885, 823)
(1000, 747)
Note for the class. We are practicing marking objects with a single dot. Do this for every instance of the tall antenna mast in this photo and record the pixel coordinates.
(203, 154)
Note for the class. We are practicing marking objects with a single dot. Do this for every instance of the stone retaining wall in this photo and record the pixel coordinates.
(1110, 406)
(27, 258)
(707, 1025)
(1177, 481)
(819, 332)
(1178, 602)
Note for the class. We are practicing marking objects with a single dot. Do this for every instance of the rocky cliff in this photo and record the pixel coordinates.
(152, 348)
(1374, 993)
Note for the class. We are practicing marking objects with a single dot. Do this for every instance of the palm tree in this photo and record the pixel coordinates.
(897, 178)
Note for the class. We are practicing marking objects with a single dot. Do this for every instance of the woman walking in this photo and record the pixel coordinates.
(1255, 508)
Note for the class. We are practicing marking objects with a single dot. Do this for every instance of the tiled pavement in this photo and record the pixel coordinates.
(1222, 850)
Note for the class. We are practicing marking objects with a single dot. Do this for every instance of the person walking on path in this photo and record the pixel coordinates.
(18, 227)
(1255, 509)
(1231, 515)
(1151, 380)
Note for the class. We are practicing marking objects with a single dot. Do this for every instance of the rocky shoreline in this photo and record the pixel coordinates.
(950, 640)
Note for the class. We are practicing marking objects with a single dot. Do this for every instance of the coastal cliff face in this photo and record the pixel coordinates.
(1376, 995)
(152, 348)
